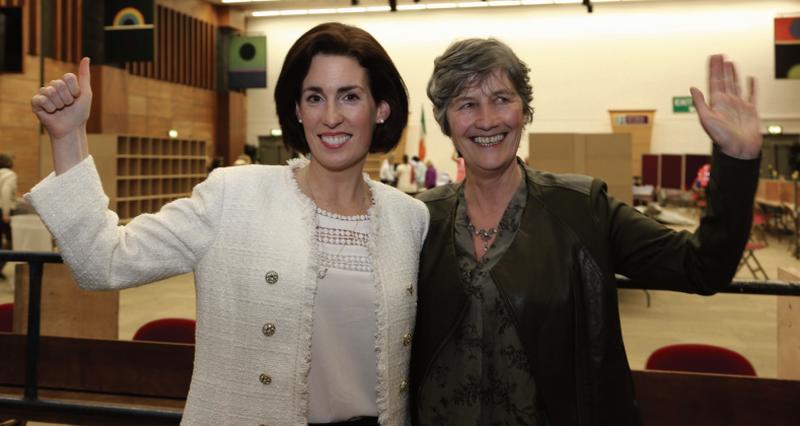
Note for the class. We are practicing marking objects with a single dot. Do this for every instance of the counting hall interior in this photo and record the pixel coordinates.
(181, 87)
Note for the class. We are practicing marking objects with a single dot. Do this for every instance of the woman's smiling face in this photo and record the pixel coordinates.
(338, 112)
(486, 122)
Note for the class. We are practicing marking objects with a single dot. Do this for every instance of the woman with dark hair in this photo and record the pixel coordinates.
(517, 321)
(305, 274)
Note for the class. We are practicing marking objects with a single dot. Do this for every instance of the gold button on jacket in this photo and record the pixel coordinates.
(271, 277)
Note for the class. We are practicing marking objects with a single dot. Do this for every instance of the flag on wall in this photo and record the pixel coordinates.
(247, 62)
(787, 47)
(128, 30)
(422, 133)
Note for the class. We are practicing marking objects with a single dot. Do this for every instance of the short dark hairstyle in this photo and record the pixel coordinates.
(471, 61)
(385, 83)
(6, 161)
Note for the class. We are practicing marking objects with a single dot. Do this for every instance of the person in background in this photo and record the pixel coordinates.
(243, 160)
(215, 162)
(406, 177)
(419, 172)
(305, 274)
(8, 200)
(700, 186)
(517, 316)
(387, 171)
(430, 175)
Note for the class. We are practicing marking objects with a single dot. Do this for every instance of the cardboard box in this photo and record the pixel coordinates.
(605, 156)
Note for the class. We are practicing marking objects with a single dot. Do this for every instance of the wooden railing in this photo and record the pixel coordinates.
(99, 382)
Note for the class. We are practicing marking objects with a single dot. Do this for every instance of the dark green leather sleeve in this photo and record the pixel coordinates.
(702, 262)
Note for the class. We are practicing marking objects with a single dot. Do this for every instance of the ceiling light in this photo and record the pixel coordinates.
(321, 11)
(293, 12)
(468, 4)
(406, 7)
(415, 6)
(442, 6)
(501, 3)
(351, 9)
(245, 1)
(264, 13)
(774, 129)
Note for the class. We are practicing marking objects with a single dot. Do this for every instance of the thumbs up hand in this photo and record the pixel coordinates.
(63, 105)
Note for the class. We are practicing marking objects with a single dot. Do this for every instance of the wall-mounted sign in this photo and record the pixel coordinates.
(129, 30)
(631, 119)
(682, 104)
(247, 62)
(787, 47)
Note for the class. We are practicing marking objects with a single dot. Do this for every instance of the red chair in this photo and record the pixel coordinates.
(7, 317)
(699, 358)
(170, 330)
(759, 228)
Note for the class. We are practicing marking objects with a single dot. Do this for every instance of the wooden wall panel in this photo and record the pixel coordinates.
(30, 11)
(161, 42)
(198, 9)
(66, 309)
(67, 29)
(69, 36)
(153, 107)
(236, 131)
(172, 63)
(788, 309)
(34, 23)
(180, 49)
(151, 111)
(78, 31)
(19, 131)
(212, 68)
(58, 32)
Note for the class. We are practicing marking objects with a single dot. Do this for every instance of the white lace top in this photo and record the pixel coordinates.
(343, 379)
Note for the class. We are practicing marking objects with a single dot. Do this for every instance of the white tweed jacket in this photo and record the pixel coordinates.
(247, 232)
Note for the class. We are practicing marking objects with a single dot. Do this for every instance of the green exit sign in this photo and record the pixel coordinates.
(682, 104)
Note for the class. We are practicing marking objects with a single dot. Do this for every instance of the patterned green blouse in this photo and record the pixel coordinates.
(482, 376)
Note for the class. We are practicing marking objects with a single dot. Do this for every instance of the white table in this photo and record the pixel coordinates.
(29, 234)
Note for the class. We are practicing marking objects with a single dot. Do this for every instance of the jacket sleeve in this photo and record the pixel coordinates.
(701, 262)
(105, 256)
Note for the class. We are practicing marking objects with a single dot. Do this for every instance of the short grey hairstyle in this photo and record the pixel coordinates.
(472, 61)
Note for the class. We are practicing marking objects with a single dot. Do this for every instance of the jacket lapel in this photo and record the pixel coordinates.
(535, 278)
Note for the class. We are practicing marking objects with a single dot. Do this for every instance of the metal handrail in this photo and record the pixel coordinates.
(766, 288)
(36, 261)
(30, 400)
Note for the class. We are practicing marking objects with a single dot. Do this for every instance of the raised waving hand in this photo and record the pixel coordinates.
(63, 108)
(729, 119)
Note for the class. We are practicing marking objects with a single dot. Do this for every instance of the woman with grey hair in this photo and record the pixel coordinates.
(517, 319)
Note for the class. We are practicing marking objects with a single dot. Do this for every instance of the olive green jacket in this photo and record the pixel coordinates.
(558, 281)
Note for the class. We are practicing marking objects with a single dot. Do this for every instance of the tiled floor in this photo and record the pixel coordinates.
(741, 322)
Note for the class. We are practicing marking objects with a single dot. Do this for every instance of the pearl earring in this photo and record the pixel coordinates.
(380, 121)
(300, 120)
